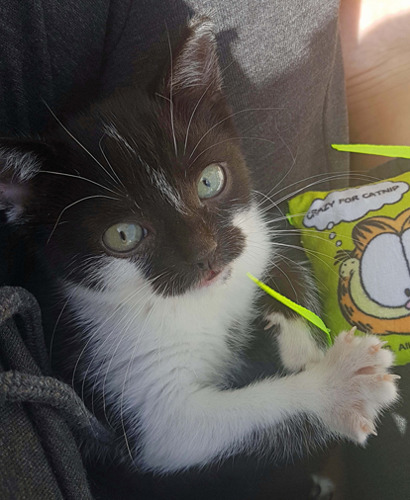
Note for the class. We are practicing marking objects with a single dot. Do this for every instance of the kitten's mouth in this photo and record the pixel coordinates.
(212, 276)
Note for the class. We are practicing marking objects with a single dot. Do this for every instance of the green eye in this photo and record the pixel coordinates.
(123, 237)
(211, 182)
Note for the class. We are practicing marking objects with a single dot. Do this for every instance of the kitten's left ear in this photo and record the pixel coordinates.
(195, 67)
(20, 162)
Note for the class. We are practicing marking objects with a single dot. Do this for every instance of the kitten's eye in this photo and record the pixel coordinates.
(123, 237)
(211, 182)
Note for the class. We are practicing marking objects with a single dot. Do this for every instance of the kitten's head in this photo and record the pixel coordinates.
(151, 176)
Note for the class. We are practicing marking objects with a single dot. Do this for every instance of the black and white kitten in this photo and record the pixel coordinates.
(143, 210)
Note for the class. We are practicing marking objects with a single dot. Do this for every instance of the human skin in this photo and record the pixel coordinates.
(376, 52)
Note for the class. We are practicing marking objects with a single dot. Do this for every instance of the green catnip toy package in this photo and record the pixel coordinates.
(358, 241)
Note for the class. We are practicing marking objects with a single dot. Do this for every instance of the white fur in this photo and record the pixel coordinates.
(194, 66)
(112, 132)
(159, 181)
(24, 166)
(297, 346)
(156, 177)
(162, 361)
(13, 192)
(400, 422)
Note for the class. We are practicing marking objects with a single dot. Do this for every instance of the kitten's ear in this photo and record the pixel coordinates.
(195, 67)
(20, 162)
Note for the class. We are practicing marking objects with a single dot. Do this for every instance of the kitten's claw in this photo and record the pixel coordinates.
(388, 377)
(374, 348)
(356, 385)
(269, 324)
(368, 427)
(350, 335)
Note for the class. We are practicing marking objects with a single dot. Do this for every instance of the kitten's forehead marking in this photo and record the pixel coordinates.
(157, 178)
(112, 132)
(159, 181)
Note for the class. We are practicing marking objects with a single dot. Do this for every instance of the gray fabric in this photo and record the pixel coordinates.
(39, 458)
(287, 56)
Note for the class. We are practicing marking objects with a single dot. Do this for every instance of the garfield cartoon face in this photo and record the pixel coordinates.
(374, 278)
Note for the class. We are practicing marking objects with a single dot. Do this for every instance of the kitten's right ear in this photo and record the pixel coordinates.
(20, 162)
(195, 66)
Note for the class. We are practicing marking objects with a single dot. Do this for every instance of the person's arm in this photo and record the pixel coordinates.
(376, 52)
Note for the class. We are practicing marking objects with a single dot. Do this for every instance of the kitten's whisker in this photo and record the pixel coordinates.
(324, 177)
(64, 174)
(171, 101)
(108, 163)
(268, 199)
(226, 140)
(304, 188)
(96, 374)
(72, 205)
(75, 139)
(229, 117)
(130, 297)
(59, 318)
(315, 253)
(199, 102)
(313, 234)
(276, 266)
(290, 152)
(126, 329)
(126, 377)
(98, 329)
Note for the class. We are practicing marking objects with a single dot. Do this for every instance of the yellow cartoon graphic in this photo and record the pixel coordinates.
(374, 277)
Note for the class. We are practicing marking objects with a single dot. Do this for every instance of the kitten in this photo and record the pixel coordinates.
(143, 211)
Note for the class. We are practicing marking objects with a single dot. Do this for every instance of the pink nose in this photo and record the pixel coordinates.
(407, 305)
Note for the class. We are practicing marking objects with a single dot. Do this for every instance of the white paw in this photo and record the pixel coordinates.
(298, 349)
(355, 385)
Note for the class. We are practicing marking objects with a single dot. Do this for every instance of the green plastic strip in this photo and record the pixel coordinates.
(290, 219)
(372, 149)
(306, 313)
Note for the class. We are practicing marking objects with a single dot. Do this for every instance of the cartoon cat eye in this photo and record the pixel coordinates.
(123, 237)
(211, 182)
(388, 254)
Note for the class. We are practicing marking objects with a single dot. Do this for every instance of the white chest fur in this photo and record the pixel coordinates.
(139, 344)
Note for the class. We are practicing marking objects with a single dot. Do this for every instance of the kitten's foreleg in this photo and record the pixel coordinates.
(300, 343)
(345, 391)
(297, 346)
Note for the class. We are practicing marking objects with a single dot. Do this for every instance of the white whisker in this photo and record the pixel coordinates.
(72, 205)
(171, 102)
(75, 139)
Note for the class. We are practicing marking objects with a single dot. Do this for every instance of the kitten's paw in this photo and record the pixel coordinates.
(356, 385)
(298, 349)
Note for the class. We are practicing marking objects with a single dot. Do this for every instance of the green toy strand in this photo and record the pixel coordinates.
(372, 149)
(306, 313)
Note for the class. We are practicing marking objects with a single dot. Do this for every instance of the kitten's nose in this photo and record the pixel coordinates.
(204, 265)
(206, 259)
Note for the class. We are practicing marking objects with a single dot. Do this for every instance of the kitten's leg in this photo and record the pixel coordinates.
(297, 347)
(300, 344)
(345, 391)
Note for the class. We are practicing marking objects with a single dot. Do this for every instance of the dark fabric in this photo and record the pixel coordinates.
(281, 62)
(39, 456)
(52, 51)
